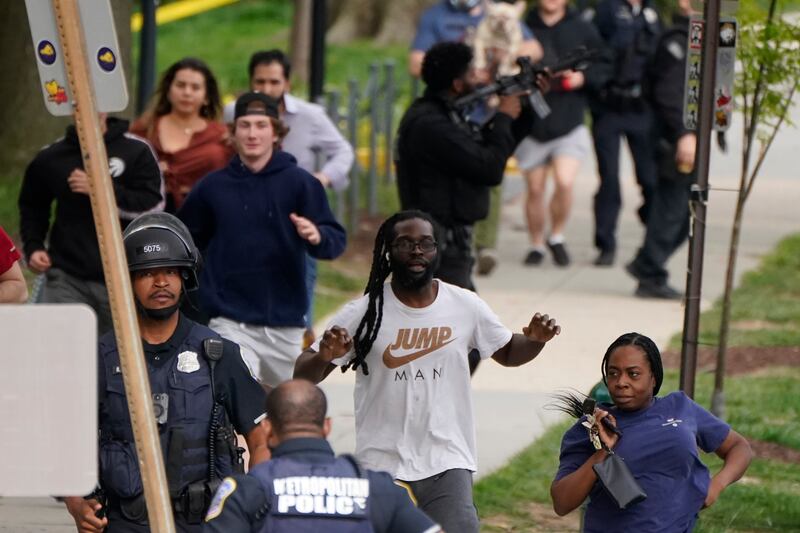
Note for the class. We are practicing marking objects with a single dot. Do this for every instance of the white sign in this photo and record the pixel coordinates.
(48, 438)
(102, 50)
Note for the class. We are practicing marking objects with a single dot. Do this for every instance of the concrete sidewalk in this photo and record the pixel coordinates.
(593, 306)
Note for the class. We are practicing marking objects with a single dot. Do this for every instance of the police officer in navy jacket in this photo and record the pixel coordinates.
(630, 29)
(202, 391)
(305, 487)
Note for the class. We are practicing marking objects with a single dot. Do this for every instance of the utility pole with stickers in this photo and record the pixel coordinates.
(708, 105)
(80, 69)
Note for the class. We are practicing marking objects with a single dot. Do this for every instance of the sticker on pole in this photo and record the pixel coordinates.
(102, 49)
(724, 75)
(691, 93)
(726, 63)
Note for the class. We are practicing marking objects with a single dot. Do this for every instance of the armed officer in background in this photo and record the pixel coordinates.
(305, 487)
(668, 222)
(630, 29)
(445, 165)
(200, 384)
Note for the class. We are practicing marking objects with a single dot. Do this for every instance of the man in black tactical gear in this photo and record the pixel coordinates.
(445, 165)
(668, 222)
(630, 29)
(201, 388)
(305, 487)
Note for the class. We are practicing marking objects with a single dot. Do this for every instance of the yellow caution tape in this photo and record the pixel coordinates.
(179, 10)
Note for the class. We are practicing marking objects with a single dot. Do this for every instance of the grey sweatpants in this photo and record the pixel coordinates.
(447, 499)
(62, 288)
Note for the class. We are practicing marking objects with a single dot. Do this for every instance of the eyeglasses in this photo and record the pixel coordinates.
(407, 246)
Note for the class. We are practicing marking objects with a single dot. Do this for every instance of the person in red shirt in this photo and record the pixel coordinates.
(13, 289)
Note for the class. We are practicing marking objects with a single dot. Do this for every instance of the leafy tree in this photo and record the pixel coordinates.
(768, 78)
(27, 126)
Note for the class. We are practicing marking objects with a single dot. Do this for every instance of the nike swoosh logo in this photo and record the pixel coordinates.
(394, 362)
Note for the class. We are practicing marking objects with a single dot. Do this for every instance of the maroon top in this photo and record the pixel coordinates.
(208, 150)
(8, 252)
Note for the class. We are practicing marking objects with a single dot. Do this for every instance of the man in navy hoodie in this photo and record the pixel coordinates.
(254, 221)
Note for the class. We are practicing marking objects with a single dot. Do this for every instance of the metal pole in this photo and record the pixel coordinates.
(334, 97)
(147, 55)
(388, 103)
(352, 136)
(694, 278)
(374, 124)
(115, 269)
(317, 74)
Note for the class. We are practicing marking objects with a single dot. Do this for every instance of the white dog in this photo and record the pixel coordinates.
(498, 37)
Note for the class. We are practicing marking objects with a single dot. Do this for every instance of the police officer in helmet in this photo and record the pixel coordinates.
(306, 488)
(202, 391)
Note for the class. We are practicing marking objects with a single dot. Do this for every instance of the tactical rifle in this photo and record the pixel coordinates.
(525, 80)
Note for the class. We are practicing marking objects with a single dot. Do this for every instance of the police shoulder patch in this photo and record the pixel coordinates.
(676, 50)
(650, 15)
(226, 488)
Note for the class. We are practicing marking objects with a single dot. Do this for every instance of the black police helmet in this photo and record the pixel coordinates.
(156, 240)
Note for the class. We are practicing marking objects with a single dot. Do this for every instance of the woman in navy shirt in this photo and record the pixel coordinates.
(659, 443)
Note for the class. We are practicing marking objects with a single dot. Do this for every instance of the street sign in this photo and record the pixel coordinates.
(102, 51)
(48, 439)
(725, 73)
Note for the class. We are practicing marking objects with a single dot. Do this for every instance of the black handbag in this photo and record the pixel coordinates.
(618, 481)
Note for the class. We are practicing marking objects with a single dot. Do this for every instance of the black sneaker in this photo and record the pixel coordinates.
(559, 251)
(605, 259)
(634, 271)
(657, 291)
(487, 261)
(534, 258)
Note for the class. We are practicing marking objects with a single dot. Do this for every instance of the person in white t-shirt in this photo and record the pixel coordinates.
(413, 405)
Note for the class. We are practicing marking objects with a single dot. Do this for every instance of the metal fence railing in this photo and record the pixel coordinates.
(367, 117)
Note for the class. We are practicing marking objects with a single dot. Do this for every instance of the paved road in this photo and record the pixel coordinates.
(593, 305)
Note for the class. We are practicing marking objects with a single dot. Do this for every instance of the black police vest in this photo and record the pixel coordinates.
(184, 432)
(303, 497)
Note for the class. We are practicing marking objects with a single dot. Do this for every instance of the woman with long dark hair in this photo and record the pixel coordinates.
(182, 126)
(657, 437)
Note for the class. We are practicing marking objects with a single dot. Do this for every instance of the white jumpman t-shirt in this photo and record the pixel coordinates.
(414, 414)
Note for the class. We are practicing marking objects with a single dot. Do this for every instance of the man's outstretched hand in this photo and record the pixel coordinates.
(542, 328)
(335, 343)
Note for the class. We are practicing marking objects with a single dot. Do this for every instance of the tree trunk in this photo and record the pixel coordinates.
(300, 40)
(27, 126)
(718, 397)
(400, 23)
(387, 22)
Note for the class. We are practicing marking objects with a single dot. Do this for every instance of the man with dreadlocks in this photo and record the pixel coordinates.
(414, 416)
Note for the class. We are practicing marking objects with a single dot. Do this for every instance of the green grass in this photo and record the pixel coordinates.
(763, 406)
(765, 306)
(226, 37)
(334, 288)
(9, 214)
(526, 477)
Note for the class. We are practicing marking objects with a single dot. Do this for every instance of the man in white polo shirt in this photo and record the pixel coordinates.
(411, 337)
